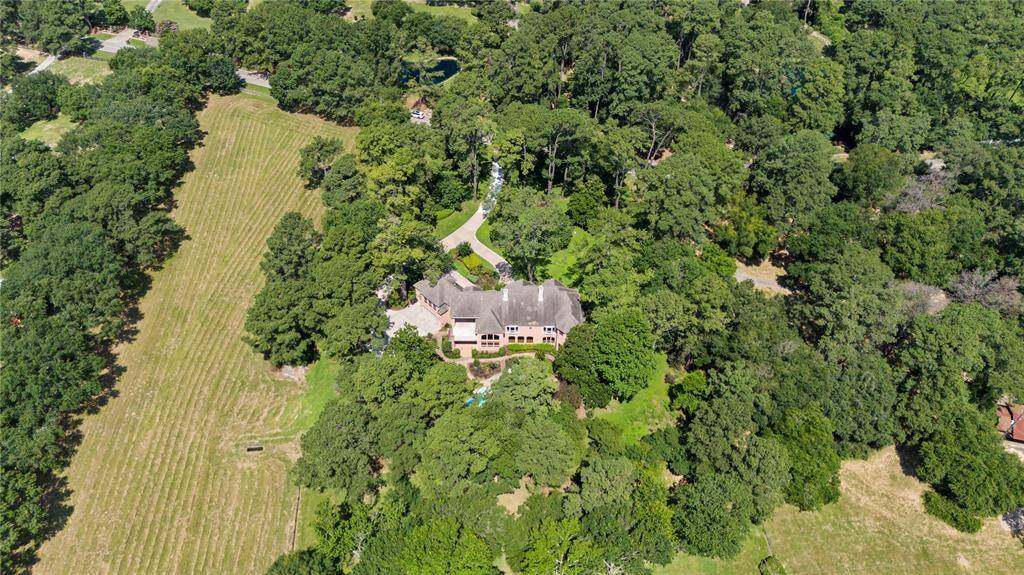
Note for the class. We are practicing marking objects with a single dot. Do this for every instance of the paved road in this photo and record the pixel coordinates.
(44, 64)
(117, 41)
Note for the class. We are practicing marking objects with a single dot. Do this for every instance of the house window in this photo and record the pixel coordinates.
(489, 337)
(529, 339)
(548, 339)
(511, 329)
(549, 329)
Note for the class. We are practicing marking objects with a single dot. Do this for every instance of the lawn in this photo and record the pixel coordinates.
(101, 55)
(81, 70)
(161, 482)
(454, 221)
(259, 93)
(562, 261)
(49, 131)
(321, 381)
(463, 12)
(483, 233)
(647, 411)
(176, 11)
(877, 526)
(358, 9)
(361, 9)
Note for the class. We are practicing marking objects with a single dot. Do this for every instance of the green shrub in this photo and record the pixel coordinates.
(957, 517)
(449, 351)
(771, 566)
(464, 250)
(443, 213)
(471, 260)
(540, 347)
(488, 354)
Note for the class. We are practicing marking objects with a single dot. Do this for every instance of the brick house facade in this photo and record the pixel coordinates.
(521, 312)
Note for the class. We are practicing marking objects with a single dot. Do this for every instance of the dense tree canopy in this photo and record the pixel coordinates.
(665, 140)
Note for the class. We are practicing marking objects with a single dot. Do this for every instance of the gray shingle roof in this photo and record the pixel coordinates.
(520, 303)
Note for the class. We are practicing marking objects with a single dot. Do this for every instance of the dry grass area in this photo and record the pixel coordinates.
(512, 501)
(29, 54)
(877, 526)
(81, 70)
(765, 276)
(161, 482)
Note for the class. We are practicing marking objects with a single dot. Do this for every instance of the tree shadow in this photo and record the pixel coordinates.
(56, 513)
(909, 459)
(1015, 521)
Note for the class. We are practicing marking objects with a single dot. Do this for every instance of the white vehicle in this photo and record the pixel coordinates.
(418, 114)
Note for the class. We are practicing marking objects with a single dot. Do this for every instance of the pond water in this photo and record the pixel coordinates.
(444, 68)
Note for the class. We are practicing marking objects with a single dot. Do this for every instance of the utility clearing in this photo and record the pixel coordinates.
(164, 481)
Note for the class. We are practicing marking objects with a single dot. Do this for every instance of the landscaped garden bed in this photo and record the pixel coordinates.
(473, 267)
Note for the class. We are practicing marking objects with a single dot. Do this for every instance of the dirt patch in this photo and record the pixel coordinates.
(295, 373)
(30, 55)
(512, 501)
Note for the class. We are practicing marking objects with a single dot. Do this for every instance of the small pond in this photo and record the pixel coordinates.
(444, 68)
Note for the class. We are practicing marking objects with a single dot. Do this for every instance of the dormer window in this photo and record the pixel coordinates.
(511, 329)
(549, 329)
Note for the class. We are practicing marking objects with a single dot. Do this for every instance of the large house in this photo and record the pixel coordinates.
(521, 312)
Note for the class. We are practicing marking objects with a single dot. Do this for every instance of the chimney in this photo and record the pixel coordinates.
(540, 294)
(504, 294)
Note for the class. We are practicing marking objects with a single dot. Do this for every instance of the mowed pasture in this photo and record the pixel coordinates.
(877, 526)
(161, 482)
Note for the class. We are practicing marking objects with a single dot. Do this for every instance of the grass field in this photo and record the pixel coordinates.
(81, 70)
(361, 9)
(562, 260)
(176, 11)
(49, 131)
(464, 12)
(646, 411)
(161, 482)
(877, 526)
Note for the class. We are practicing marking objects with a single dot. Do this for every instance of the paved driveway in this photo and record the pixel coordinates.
(467, 233)
(415, 315)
